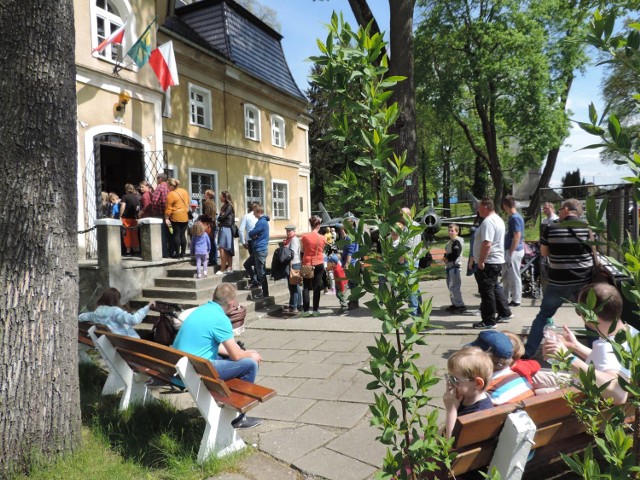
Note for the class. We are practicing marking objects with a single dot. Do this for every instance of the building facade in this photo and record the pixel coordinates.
(237, 121)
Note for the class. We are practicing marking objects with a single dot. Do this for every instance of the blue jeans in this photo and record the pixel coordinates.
(553, 298)
(260, 260)
(245, 369)
(415, 299)
(295, 292)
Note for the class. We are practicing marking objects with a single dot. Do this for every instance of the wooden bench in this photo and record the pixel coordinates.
(437, 254)
(487, 438)
(132, 361)
(84, 342)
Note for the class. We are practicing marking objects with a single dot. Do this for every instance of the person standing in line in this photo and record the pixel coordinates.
(312, 248)
(209, 214)
(415, 299)
(247, 224)
(488, 253)
(453, 256)
(347, 255)
(176, 216)
(158, 206)
(115, 205)
(259, 235)
(549, 214)
(514, 252)
(146, 191)
(129, 206)
(570, 262)
(226, 219)
(200, 247)
(295, 291)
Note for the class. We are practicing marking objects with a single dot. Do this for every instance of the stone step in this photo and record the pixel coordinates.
(178, 294)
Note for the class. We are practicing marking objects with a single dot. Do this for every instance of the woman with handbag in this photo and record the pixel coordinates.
(312, 267)
(176, 216)
(295, 291)
(226, 220)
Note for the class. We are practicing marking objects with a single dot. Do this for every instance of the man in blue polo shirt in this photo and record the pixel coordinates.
(207, 333)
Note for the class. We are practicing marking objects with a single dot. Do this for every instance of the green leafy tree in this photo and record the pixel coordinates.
(356, 74)
(619, 446)
(491, 62)
(573, 185)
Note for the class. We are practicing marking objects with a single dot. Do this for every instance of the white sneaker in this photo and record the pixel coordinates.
(196, 275)
(219, 272)
(205, 274)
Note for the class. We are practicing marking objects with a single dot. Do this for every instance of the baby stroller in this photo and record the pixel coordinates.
(530, 270)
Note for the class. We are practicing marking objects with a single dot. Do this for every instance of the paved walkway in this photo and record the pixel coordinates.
(318, 425)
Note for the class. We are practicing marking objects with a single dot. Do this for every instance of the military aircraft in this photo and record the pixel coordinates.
(327, 221)
(433, 222)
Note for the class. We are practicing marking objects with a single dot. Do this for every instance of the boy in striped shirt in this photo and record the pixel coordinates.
(505, 386)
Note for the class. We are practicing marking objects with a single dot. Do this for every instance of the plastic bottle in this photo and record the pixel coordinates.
(550, 332)
(171, 232)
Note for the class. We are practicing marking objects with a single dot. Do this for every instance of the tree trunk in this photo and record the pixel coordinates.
(401, 47)
(39, 396)
(552, 157)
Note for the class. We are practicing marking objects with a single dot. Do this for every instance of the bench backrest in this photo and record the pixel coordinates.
(477, 433)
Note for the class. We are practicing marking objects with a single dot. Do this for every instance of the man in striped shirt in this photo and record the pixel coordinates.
(570, 265)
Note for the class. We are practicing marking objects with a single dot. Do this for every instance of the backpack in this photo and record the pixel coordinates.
(280, 262)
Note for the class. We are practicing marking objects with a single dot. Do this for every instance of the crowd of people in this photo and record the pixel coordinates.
(496, 368)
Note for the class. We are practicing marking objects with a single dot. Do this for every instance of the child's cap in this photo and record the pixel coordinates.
(496, 343)
(194, 203)
(290, 226)
(333, 259)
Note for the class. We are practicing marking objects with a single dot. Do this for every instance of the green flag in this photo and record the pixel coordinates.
(141, 50)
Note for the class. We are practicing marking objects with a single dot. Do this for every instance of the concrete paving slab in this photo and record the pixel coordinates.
(292, 443)
(350, 358)
(273, 354)
(269, 342)
(276, 369)
(351, 444)
(321, 389)
(312, 356)
(313, 370)
(334, 466)
(263, 467)
(283, 408)
(334, 414)
(282, 385)
(302, 344)
(338, 345)
(358, 392)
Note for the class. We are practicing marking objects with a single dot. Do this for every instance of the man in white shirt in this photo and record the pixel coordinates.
(488, 254)
(247, 224)
(550, 214)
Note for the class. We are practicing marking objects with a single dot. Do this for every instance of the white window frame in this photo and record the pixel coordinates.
(124, 10)
(275, 199)
(249, 198)
(205, 105)
(252, 122)
(174, 169)
(277, 131)
(204, 172)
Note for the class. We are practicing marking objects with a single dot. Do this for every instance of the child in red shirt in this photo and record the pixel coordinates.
(333, 265)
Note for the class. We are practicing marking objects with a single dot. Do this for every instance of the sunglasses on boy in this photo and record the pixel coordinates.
(455, 381)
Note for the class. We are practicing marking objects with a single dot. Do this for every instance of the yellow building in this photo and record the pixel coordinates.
(237, 121)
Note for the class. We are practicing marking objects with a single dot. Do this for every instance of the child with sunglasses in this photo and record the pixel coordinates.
(469, 372)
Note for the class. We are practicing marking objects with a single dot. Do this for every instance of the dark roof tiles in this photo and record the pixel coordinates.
(227, 29)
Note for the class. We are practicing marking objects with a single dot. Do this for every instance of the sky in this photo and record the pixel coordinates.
(303, 21)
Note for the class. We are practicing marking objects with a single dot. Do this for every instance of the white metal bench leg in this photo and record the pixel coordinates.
(219, 438)
(514, 444)
(83, 356)
(120, 374)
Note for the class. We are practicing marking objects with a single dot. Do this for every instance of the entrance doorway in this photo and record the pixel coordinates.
(119, 160)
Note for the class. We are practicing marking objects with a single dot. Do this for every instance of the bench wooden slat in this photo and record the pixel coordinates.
(478, 426)
(474, 457)
(85, 341)
(549, 407)
(242, 403)
(262, 394)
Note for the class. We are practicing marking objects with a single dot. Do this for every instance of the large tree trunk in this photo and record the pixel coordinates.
(39, 396)
(401, 46)
(400, 63)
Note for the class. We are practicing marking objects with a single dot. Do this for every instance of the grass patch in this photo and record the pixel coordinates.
(151, 442)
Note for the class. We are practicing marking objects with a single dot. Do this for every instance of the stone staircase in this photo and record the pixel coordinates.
(180, 287)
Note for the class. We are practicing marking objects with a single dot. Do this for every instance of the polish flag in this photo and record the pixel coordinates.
(116, 37)
(163, 63)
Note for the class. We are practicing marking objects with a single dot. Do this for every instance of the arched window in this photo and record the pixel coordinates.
(108, 16)
(251, 122)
